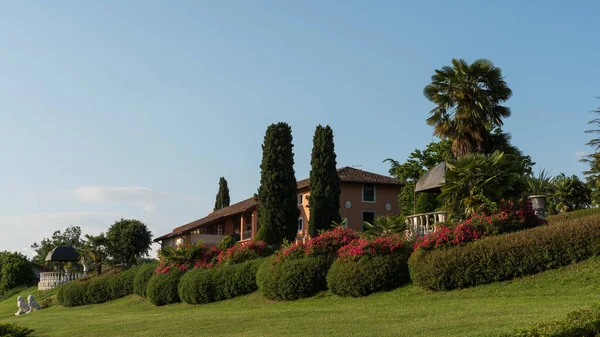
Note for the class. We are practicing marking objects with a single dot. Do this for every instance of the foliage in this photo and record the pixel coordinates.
(505, 257)
(478, 181)
(227, 242)
(222, 199)
(592, 175)
(70, 237)
(540, 185)
(326, 244)
(221, 283)
(468, 100)
(162, 288)
(324, 183)
(365, 248)
(143, 275)
(576, 324)
(294, 278)
(99, 289)
(15, 271)
(427, 202)
(94, 251)
(73, 294)
(277, 202)
(127, 240)
(13, 330)
(583, 213)
(242, 252)
(367, 275)
(569, 194)
(385, 225)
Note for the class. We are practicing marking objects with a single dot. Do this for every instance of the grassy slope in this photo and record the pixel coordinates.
(408, 311)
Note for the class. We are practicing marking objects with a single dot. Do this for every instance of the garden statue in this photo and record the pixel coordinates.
(23, 308)
(32, 303)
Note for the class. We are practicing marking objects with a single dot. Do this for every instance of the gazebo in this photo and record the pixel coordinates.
(52, 279)
(432, 181)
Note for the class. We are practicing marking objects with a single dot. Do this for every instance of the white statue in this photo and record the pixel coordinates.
(32, 304)
(23, 308)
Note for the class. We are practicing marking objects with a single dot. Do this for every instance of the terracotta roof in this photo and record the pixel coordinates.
(347, 175)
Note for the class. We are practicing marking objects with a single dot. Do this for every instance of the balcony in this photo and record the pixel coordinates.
(424, 223)
(53, 279)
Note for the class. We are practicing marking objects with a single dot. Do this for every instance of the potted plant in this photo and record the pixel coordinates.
(539, 187)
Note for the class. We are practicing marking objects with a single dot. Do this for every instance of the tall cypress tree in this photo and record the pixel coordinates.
(277, 204)
(324, 199)
(222, 200)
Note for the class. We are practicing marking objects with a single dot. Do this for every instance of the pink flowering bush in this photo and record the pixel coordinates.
(327, 243)
(387, 245)
(242, 252)
(187, 256)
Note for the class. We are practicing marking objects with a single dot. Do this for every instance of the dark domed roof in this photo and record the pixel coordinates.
(63, 254)
(432, 180)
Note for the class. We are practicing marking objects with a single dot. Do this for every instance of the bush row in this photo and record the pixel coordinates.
(228, 281)
(142, 277)
(504, 257)
(13, 330)
(576, 324)
(162, 287)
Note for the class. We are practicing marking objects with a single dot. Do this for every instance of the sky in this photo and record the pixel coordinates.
(112, 109)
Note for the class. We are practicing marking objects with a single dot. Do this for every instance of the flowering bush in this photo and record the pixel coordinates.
(243, 252)
(510, 217)
(187, 256)
(328, 243)
(381, 246)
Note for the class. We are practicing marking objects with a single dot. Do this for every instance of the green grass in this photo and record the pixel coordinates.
(408, 311)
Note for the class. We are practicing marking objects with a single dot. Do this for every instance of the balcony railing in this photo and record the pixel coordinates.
(424, 223)
(53, 279)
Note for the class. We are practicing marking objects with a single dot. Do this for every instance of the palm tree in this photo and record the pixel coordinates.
(467, 99)
(95, 249)
(385, 225)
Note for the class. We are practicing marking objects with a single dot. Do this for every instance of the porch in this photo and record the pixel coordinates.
(424, 223)
(241, 227)
(52, 279)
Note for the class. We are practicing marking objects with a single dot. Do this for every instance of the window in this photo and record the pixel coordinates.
(369, 193)
(300, 224)
(220, 229)
(299, 199)
(369, 217)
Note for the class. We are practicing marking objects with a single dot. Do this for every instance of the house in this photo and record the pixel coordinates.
(364, 196)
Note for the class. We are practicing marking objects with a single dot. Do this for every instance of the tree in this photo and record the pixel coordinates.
(94, 251)
(324, 199)
(467, 99)
(592, 175)
(222, 199)
(569, 194)
(277, 202)
(70, 237)
(126, 240)
(15, 271)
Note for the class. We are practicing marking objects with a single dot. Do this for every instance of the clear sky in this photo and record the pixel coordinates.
(113, 109)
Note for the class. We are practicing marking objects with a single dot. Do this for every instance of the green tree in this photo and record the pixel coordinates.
(70, 237)
(127, 240)
(277, 202)
(324, 199)
(222, 199)
(15, 271)
(569, 194)
(94, 251)
(592, 175)
(468, 107)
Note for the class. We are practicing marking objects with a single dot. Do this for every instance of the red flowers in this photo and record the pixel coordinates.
(362, 247)
(327, 243)
(249, 250)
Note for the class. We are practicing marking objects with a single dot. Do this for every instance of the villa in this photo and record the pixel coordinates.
(364, 196)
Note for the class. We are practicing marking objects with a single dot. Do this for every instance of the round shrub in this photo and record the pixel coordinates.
(98, 290)
(367, 275)
(72, 294)
(121, 285)
(15, 271)
(294, 278)
(507, 256)
(162, 288)
(144, 273)
(197, 286)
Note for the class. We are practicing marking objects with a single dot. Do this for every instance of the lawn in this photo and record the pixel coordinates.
(408, 311)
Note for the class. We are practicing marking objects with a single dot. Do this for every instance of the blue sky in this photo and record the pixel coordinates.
(135, 109)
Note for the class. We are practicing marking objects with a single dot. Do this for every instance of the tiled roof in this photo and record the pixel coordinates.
(347, 175)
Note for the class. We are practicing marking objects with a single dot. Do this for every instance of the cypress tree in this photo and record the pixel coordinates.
(222, 200)
(277, 204)
(324, 199)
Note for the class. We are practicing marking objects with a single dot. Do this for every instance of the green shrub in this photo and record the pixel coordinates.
(227, 242)
(72, 294)
(162, 288)
(220, 283)
(15, 271)
(144, 273)
(98, 290)
(367, 275)
(576, 324)
(12, 330)
(504, 257)
(121, 285)
(573, 215)
(294, 278)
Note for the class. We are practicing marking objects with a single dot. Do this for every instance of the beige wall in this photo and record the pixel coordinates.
(353, 192)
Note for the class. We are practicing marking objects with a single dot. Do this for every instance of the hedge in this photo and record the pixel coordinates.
(13, 330)
(576, 324)
(162, 288)
(142, 277)
(367, 275)
(220, 283)
(72, 294)
(507, 256)
(294, 278)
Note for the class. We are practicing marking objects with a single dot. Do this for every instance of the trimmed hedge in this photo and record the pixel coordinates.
(576, 324)
(162, 288)
(72, 294)
(13, 330)
(507, 256)
(367, 275)
(142, 277)
(220, 283)
(294, 278)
